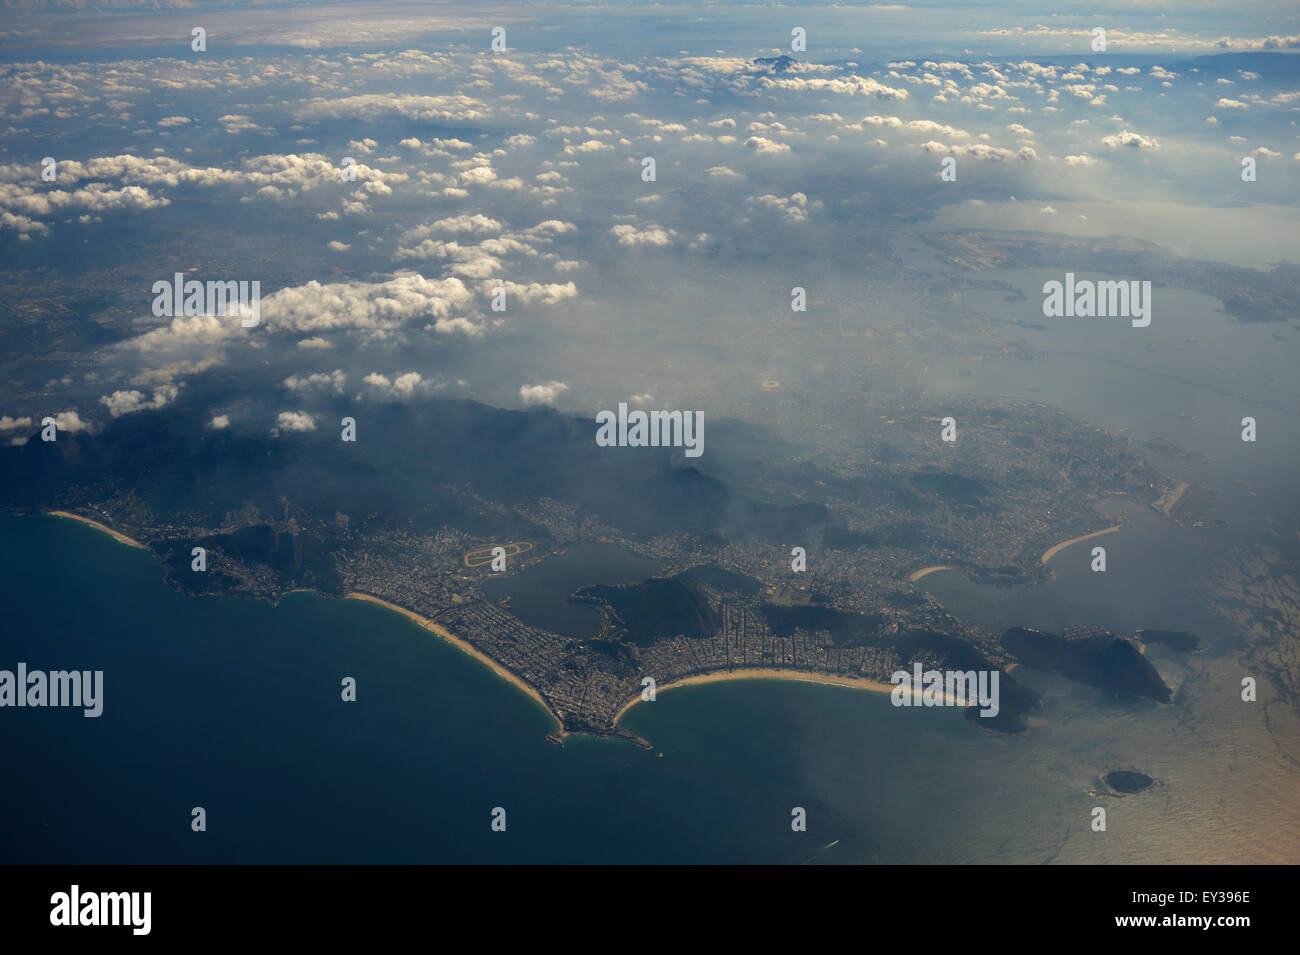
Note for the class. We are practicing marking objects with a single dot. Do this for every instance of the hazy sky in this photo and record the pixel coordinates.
(523, 170)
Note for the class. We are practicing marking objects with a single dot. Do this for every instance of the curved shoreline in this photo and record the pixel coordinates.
(759, 673)
(560, 733)
(1053, 551)
(925, 572)
(116, 535)
(511, 678)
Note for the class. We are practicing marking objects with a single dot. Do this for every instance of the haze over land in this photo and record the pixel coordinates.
(460, 251)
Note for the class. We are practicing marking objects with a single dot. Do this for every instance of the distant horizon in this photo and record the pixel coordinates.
(354, 482)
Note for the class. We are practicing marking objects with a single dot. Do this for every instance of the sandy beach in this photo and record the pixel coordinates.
(469, 648)
(927, 570)
(116, 535)
(756, 673)
(1052, 552)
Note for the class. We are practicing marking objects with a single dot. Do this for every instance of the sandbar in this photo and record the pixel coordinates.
(927, 570)
(1052, 552)
(116, 535)
(757, 673)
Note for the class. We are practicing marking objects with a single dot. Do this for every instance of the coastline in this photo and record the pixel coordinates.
(116, 535)
(761, 673)
(1053, 551)
(559, 734)
(464, 645)
(925, 571)
(1168, 502)
(295, 590)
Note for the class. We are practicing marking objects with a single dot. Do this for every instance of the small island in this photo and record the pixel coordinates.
(1126, 782)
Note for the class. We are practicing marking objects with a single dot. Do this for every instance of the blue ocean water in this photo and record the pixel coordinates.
(235, 706)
